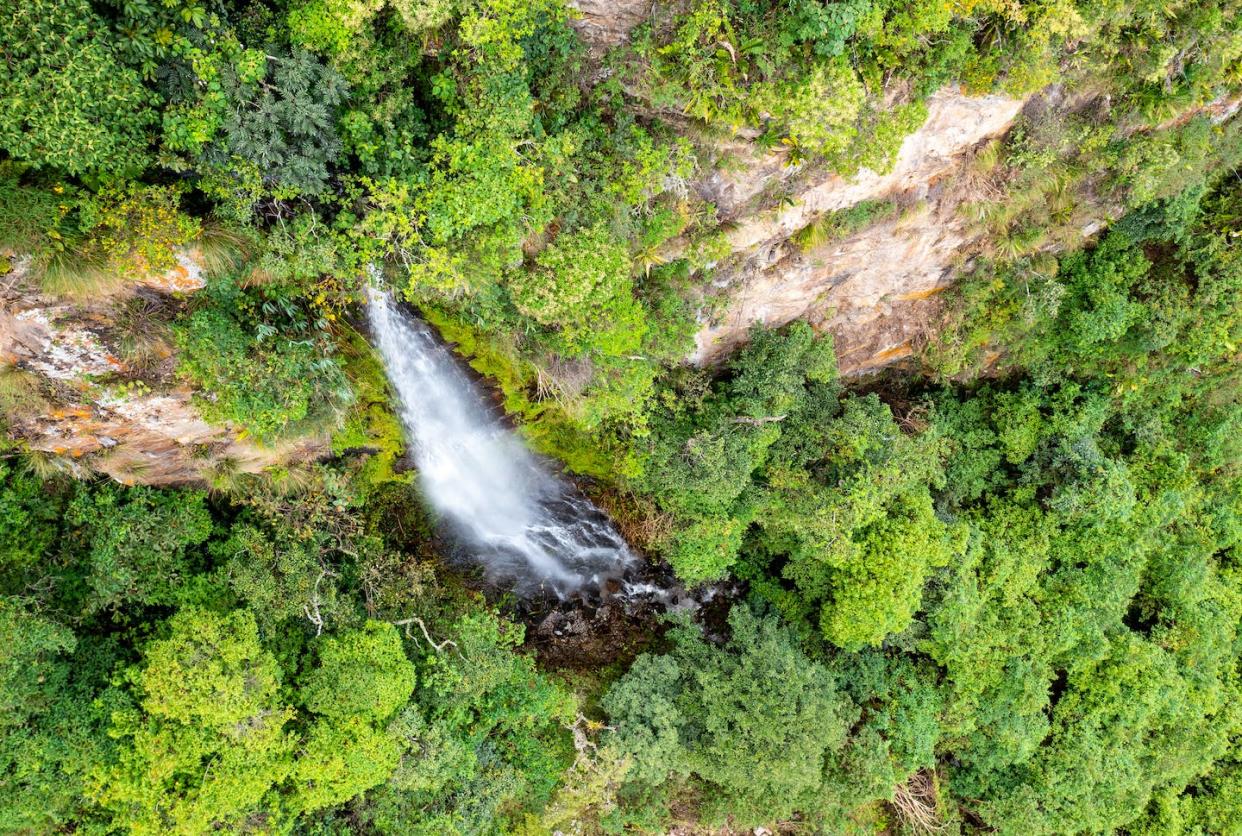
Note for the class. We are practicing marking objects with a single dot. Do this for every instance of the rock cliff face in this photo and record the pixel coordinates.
(874, 289)
(96, 410)
(604, 24)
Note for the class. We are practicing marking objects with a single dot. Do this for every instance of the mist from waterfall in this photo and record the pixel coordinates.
(527, 528)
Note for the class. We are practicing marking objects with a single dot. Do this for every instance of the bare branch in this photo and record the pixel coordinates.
(312, 610)
(406, 622)
(758, 422)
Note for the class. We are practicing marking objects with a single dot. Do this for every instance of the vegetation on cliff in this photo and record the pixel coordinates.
(999, 591)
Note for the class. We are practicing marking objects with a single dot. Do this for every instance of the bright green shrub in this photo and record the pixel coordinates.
(582, 289)
(50, 735)
(210, 671)
(267, 382)
(30, 663)
(360, 673)
(30, 511)
(862, 539)
(703, 459)
(362, 677)
(204, 741)
(342, 759)
(876, 592)
(137, 229)
(69, 100)
(817, 112)
(331, 26)
(880, 137)
(706, 549)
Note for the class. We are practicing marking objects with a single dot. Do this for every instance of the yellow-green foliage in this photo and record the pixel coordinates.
(582, 291)
(543, 422)
(833, 225)
(20, 394)
(370, 422)
(137, 229)
(818, 111)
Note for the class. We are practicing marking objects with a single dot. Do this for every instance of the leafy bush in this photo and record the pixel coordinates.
(268, 382)
(208, 693)
(488, 735)
(362, 678)
(137, 230)
(69, 100)
(284, 123)
(361, 673)
(140, 544)
(582, 289)
(29, 213)
(817, 113)
(30, 511)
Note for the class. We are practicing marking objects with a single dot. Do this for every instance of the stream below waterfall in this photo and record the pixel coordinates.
(528, 529)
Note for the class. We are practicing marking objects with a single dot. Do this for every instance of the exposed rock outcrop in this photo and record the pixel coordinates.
(877, 289)
(99, 412)
(604, 24)
(873, 290)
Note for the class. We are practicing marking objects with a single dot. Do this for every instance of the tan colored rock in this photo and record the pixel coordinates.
(130, 433)
(66, 352)
(604, 24)
(874, 290)
(156, 439)
(188, 276)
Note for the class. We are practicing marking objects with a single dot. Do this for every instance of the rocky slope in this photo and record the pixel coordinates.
(604, 24)
(875, 289)
(87, 404)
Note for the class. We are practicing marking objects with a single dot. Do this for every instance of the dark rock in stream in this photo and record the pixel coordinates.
(624, 620)
(577, 638)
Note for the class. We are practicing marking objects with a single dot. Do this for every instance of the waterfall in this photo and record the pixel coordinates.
(527, 528)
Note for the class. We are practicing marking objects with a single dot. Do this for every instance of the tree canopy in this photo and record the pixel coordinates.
(993, 588)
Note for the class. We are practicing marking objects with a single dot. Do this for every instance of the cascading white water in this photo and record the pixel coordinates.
(527, 528)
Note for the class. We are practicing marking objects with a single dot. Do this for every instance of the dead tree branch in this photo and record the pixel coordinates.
(758, 422)
(406, 622)
(312, 609)
(916, 804)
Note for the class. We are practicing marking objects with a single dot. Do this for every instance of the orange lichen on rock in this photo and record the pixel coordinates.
(925, 293)
(186, 277)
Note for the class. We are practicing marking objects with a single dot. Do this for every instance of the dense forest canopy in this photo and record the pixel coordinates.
(996, 590)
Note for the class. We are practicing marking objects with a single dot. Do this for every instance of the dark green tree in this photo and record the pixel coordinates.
(139, 544)
(753, 723)
(281, 126)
